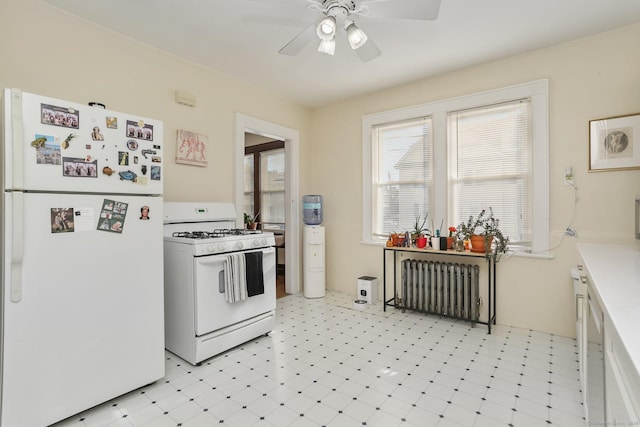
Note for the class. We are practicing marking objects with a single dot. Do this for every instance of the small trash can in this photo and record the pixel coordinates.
(367, 289)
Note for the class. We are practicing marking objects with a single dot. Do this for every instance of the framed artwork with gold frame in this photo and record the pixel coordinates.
(614, 143)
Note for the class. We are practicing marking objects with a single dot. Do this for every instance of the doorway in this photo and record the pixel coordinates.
(264, 203)
(260, 128)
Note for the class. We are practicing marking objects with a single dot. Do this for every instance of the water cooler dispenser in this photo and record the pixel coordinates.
(313, 247)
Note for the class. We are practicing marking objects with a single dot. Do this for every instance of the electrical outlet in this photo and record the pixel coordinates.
(568, 176)
(570, 232)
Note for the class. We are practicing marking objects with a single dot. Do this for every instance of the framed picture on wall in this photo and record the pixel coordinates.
(191, 148)
(614, 143)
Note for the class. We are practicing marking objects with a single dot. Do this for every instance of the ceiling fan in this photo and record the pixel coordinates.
(341, 14)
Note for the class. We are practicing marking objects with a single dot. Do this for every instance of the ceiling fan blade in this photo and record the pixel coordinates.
(299, 42)
(368, 51)
(426, 10)
(272, 20)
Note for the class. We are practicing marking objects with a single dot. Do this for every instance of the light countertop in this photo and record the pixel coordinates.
(615, 274)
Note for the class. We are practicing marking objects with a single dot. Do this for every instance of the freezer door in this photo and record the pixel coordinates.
(82, 302)
(56, 145)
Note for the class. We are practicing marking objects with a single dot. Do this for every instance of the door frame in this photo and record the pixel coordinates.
(248, 124)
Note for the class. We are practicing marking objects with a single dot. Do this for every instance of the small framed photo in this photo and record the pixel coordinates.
(76, 167)
(59, 116)
(139, 130)
(614, 143)
(112, 122)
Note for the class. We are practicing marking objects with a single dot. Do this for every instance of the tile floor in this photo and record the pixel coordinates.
(328, 364)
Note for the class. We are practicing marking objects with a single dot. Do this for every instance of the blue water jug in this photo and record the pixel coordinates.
(312, 209)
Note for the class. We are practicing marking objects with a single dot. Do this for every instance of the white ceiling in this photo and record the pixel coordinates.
(241, 38)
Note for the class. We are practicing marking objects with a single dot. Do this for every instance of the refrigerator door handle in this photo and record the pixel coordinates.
(17, 247)
(17, 129)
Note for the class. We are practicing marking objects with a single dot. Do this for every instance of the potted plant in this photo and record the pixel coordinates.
(250, 221)
(450, 238)
(420, 232)
(485, 235)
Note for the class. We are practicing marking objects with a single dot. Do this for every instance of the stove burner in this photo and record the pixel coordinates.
(236, 231)
(196, 234)
(214, 233)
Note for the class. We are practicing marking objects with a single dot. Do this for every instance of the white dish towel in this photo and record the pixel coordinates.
(235, 279)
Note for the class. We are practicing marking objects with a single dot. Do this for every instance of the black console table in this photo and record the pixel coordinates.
(491, 277)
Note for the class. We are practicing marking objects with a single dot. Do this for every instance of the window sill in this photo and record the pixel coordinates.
(524, 253)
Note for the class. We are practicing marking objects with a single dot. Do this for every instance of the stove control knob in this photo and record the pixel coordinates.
(263, 242)
(220, 247)
(238, 246)
(210, 248)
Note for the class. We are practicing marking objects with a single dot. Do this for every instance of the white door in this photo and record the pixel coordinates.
(82, 307)
(212, 311)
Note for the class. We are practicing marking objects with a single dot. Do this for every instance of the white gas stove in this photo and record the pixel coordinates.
(200, 239)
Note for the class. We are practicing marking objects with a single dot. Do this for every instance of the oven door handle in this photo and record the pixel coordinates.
(217, 258)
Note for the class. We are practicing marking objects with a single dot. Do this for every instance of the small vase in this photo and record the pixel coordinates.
(435, 243)
(421, 242)
(449, 242)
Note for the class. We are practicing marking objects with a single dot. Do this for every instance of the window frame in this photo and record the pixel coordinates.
(537, 91)
(256, 151)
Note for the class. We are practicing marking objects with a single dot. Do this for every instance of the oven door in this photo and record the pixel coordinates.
(212, 312)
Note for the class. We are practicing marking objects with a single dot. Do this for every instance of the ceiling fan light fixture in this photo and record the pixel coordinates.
(326, 29)
(327, 46)
(357, 38)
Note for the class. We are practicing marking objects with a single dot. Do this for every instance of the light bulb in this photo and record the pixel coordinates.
(326, 28)
(357, 38)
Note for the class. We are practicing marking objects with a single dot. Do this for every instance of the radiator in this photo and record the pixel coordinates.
(448, 289)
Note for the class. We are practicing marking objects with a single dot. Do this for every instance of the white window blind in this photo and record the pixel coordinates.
(490, 165)
(402, 175)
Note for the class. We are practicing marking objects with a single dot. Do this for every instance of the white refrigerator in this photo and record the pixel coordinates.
(81, 314)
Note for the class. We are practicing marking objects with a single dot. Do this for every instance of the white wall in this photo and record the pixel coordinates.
(590, 78)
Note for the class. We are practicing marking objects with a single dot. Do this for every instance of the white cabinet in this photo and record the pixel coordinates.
(622, 384)
(613, 278)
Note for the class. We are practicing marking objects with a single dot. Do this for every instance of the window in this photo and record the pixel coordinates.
(403, 174)
(272, 189)
(264, 183)
(249, 184)
(454, 157)
(490, 166)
